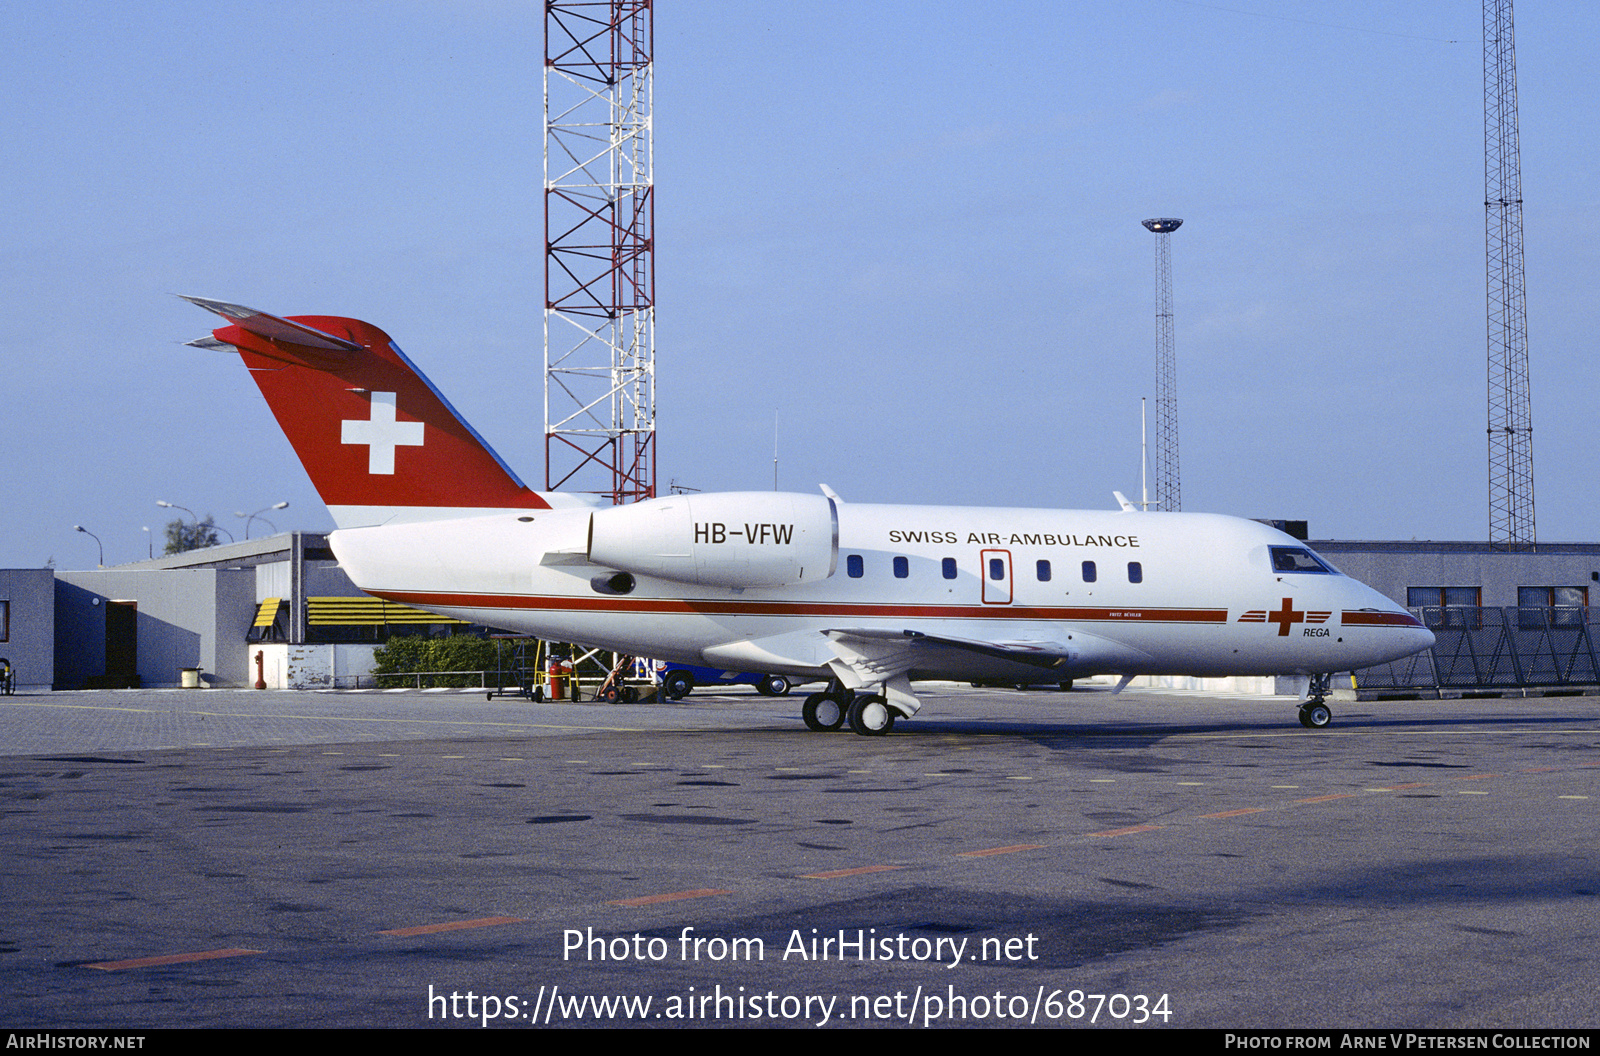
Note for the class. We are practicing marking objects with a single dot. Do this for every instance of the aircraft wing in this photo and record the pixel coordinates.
(865, 656)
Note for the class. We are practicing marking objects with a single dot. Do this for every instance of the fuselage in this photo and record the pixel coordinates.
(1119, 592)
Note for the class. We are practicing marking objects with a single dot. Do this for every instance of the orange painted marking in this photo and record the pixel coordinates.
(454, 925)
(1128, 831)
(999, 850)
(1539, 770)
(1236, 813)
(1477, 777)
(170, 958)
(1324, 799)
(671, 896)
(850, 872)
(1399, 788)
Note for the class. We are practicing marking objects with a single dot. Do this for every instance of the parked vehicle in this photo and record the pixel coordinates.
(679, 680)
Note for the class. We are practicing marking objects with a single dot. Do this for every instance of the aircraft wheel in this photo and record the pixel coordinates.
(677, 684)
(871, 716)
(773, 686)
(1315, 716)
(822, 713)
(1066, 685)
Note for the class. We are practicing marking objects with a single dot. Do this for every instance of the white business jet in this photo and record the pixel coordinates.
(869, 597)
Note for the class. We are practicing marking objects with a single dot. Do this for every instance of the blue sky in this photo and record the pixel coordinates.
(907, 232)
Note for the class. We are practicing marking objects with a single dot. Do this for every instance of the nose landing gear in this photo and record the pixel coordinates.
(1314, 714)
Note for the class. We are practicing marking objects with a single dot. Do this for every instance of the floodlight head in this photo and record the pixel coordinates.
(1162, 226)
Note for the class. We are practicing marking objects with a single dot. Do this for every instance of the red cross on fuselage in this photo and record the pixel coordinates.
(1285, 616)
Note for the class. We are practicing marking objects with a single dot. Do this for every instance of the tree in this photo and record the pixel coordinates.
(183, 536)
(415, 652)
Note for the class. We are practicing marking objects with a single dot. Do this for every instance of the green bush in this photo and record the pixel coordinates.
(415, 652)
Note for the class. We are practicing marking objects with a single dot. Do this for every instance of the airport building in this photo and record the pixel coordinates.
(280, 611)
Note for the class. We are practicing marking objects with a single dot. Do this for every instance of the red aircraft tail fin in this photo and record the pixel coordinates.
(379, 442)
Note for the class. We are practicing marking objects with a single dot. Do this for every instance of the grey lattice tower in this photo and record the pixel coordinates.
(1510, 398)
(1168, 492)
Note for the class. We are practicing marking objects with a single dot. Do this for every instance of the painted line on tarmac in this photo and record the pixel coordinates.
(454, 925)
(834, 874)
(170, 958)
(988, 851)
(670, 896)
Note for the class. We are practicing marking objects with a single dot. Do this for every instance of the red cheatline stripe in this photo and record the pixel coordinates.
(171, 958)
(1357, 618)
(1236, 813)
(999, 850)
(553, 603)
(1128, 831)
(454, 925)
(850, 872)
(671, 896)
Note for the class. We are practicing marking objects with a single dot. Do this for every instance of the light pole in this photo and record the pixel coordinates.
(257, 515)
(96, 538)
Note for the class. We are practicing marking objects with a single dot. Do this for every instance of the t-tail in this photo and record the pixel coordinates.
(380, 443)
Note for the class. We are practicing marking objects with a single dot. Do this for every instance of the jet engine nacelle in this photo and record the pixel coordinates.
(729, 539)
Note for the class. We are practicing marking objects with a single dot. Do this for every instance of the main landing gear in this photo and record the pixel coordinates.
(870, 715)
(1314, 714)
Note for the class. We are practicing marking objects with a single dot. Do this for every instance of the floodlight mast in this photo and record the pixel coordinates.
(1168, 492)
(599, 222)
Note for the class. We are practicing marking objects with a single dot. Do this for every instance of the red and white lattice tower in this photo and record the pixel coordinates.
(599, 224)
(1168, 493)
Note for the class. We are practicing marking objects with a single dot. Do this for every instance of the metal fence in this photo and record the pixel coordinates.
(1544, 648)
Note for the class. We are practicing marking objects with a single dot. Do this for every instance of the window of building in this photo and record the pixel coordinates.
(1447, 606)
(1042, 570)
(1567, 606)
(1447, 597)
(902, 568)
(854, 566)
(949, 566)
(5, 621)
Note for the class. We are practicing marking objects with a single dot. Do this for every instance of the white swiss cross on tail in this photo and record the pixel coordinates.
(382, 433)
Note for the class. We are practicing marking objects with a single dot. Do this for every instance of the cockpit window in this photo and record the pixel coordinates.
(1299, 559)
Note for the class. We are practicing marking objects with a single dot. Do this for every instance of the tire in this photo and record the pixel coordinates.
(871, 716)
(1315, 716)
(773, 686)
(677, 684)
(822, 713)
(629, 695)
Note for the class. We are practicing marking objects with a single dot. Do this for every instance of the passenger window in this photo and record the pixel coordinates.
(1135, 572)
(997, 568)
(853, 565)
(1088, 572)
(1043, 570)
(902, 568)
(949, 566)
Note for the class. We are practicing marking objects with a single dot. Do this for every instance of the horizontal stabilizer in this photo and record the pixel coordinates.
(272, 327)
